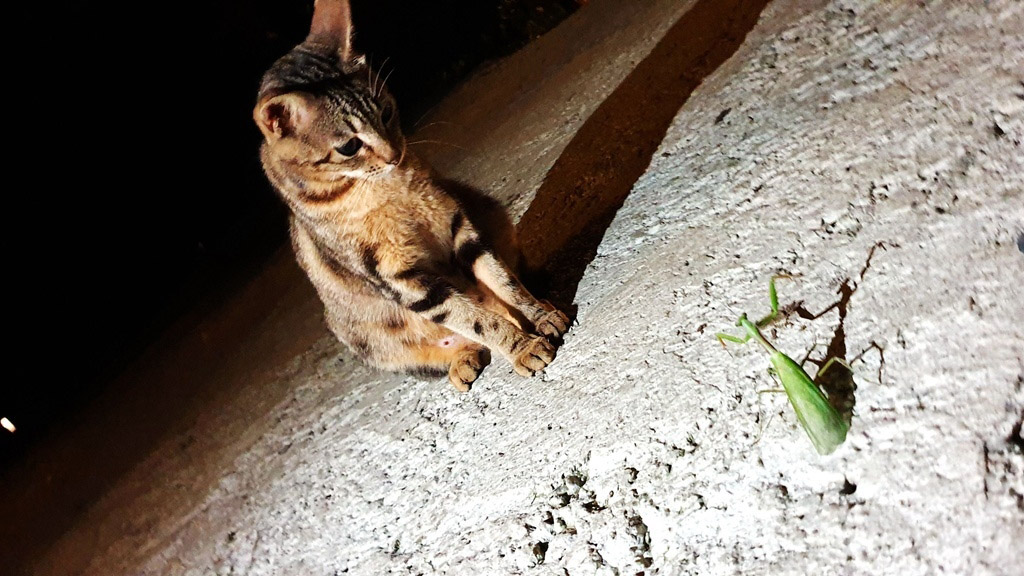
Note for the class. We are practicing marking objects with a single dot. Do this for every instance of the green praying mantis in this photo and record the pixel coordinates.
(822, 423)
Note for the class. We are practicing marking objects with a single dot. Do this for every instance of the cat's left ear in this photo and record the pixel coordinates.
(332, 26)
(282, 116)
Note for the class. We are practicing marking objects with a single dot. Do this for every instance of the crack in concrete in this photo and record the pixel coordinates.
(1002, 459)
(638, 529)
(1016, 438)
(987, 461)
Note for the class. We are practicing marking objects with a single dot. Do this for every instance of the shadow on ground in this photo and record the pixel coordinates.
(589, 182)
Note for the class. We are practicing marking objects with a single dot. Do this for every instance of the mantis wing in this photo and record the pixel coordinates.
(820, 420)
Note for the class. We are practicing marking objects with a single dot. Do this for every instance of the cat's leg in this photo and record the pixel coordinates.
(497, 277)
(489, 218)
(462, 358)
(387, 335)
(439, 299)
(458, 357)
(391, 338)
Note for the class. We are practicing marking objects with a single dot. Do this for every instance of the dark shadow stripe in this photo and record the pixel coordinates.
(334, 194)
(368, 256)
(369, 274)
(411, 273)
(332, 263)
(456, 223)
(360, 347)
(589, 182)
(428, 372)
(390, 293)
(394, 323)
(371, 264)
(439, 318)
(438, 290)
(468, 253)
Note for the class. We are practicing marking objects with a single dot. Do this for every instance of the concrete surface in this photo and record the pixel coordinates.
(871, 149)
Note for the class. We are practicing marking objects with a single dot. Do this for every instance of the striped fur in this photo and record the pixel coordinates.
(415, 275)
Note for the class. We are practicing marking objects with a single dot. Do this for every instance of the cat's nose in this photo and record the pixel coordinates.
(396, 156)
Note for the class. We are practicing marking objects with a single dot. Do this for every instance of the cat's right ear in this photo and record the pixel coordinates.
(282, 116)
(332, 26)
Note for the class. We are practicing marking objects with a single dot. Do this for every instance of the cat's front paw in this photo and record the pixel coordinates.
(552, 324)
(467, 367)
(534, 355)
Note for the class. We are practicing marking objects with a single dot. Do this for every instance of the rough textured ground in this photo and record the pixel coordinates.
(872, 150)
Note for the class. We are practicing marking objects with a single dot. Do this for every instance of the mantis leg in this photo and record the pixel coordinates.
(722, 337)
(828, 364)
(773, 297)
(808, 355)
(762, 427)
(778, 385)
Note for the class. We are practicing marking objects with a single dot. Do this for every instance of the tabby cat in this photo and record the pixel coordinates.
(415, 273)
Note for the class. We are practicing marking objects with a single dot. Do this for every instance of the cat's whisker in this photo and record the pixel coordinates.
(373, 89)
(413, 142)
(359, 190)
(371, 72)
(420, 119)
(434, 123)
(385, 82)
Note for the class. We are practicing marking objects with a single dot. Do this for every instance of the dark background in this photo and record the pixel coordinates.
(133, 182)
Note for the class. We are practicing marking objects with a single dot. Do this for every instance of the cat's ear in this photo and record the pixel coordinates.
(282, 115)
(332, 26)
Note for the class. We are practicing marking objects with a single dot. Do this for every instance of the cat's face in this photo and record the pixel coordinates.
(340, 127)
(323, 110)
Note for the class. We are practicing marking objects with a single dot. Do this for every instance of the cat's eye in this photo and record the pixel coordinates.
(386, 113)
(350, 148)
